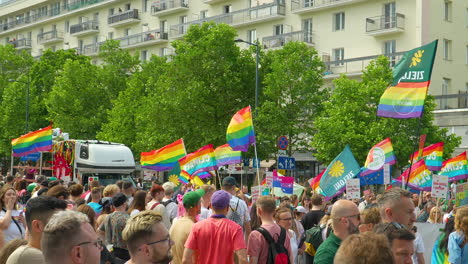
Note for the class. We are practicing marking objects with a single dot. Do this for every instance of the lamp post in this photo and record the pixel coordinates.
(256, 70)
(28, 83)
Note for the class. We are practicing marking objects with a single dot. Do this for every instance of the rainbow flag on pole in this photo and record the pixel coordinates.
(164, 158)
(240, 132)
(225, 155)
(432, 155)
(36, 141)
(199, 161)
(420, 178)
(184, 177)
(455, 168)
(411, 79)
(380, 154)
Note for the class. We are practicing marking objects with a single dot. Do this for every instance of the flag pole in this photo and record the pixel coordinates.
(11, 163)
(40, 164)
(258, 165)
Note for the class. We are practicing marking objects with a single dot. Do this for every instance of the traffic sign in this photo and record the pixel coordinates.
(286, 163)
(283, 142)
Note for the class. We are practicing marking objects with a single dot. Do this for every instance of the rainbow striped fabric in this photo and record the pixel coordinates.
(411, 79)
(455, 168)
(184, 177)
(199, 161)
(164, 158)
(315, 182)
(380, 154)
(225, 155)
(420, 178)
(240, 132)
(36, 141)
(433, 156)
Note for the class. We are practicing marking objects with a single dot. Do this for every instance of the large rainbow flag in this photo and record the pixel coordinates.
(36, 141)
(164, 158)
(380, 154)
(432, 155)
(240, 132)
(420, 178)
(455, 168)
(225, 155)
(199, 161)
(411, 78)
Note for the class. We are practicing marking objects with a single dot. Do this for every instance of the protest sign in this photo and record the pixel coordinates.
(269, 178)
(353, 190)
(439, 186)
(257, 192)
(461, 197)
(386, 173)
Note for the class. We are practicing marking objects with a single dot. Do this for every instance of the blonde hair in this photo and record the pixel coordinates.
(140, 228)
(208, 188)
(111, 190)
(435, 211)
(371, 216)
(460, 215)
(368, 247)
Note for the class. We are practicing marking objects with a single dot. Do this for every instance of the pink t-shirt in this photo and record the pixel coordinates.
(215, 240)
(258, 246)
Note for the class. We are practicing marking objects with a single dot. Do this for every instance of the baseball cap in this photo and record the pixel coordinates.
(191, 199)
(300, 209)
(220, 199)
(119, 199)
(229, 180)
(31, 187)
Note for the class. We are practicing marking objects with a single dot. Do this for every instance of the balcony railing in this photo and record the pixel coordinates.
(382, 24)
(49, 37)
(168, 6)
(236, 18)
(90, 49)
(85, 26)
(452, 101)
(302, 6)
(127, 16)
(21, 43)
(142, 39)
(281, 40)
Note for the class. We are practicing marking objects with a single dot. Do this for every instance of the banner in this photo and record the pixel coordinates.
(455, 168)
(379, 155)
(432, 154)
(201, 160)
(461, 196)
(420, 178)
(440, 186)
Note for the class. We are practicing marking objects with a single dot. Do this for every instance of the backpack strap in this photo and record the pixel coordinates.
(154, 205)
(271, 244)
(282, 236)
(266, 235)
(166, 203)
(237, 205)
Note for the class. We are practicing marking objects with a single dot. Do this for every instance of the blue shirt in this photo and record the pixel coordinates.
(96, 207)
(457, 254)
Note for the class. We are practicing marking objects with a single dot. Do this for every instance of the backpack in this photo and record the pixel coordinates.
(166, 203)
(277, 253)
(234, 215)
(313, 239)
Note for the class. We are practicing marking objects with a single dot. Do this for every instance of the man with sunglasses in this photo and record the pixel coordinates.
(68, 238)
(345, 222)
(147, 238)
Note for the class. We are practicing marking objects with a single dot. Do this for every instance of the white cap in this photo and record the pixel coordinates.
(300, 209)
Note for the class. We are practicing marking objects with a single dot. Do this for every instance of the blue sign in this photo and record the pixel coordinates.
(32, 157)
(255, 163)
(246, 162)
(286, 163)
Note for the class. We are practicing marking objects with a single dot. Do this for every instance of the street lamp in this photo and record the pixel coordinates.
(256, 70)
(28, 83)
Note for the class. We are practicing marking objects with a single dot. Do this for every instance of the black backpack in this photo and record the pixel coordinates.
(277, 253)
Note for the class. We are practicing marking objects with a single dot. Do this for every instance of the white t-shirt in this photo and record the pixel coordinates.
(241, 207)
(294, 245)
(418, 247)
(12, 232)
(205, 213)
(171, 209)
(134, 212)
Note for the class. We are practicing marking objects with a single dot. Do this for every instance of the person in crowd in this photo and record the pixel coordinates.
(450, 212)
(255, 221)
(285, 201)
(43, 187)
(457, 242)
(53, 182)
(38, 212)
(20, 187)
(12, 221)
(369, 248)
(299, 213)
(148, 239)
(109, 192)
(435, 215)
(89, 212)
(294, 200)
(415, 198)
(10, 180)
(138, 204)
(181, 228)
(306, 203)
(107, 209)
(440, 249)
(238, 210)
(11, 246)
(157, 194)
(401, 241)
(368, 194)
(216, 239)
(313, 217)
(395, 205)
(120, 185)
(418, 256)
(257, 248)
(171, 206)
(128, 190)
(370, 217)
(69, 238)
(345, 222)
(245, 191)
(284, 218)
(96, 200)
(59, 192)
(114, 224)
(91, 185)
(75, 191)
(424, 215)
(205, 211)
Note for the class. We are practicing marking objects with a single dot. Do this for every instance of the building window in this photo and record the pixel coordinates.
(110, 35)
(53, 48)
(308, 3)
(145, 5)
(126, 32)
(252, 35)
(163, 26)
(338, 21)
(338, 56)
(144, 54)
(445, 89)
(67, 26)
(278, 30)
(183, 27)
(127, 7)
(165, 52)
(307, 29)
(389, 50)
(203, 14)
(447, 49)
(111, 11)
(96, 17)
(448, 10)
(227, 9)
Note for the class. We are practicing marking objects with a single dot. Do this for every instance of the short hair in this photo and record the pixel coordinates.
(267, 204)
(119, 184)
(53, 183)
(76, 189)
(168, 188)
(60, 234)
(94, 184)
(89, 212)
(58, 191)
(156, 189)
(10, 178)
(281, 210)
(111, 190)
(393, 231)
(317, 199)
(208, 188)
(42, 208)
(96, 191)
(391, 198)
(126, 185)
(139, 228)
(368, 247)
(40, 178)
(371, 216)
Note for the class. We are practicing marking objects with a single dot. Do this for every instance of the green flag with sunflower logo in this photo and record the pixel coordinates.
(341, 169)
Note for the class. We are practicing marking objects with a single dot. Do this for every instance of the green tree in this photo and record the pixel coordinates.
(350, 118)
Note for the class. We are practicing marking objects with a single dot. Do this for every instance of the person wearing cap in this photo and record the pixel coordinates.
(43, 185)
(181, 228)
(114, 224)
(238, 210)
(299, 212)
(216, 239)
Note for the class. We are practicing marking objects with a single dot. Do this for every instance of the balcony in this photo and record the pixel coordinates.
(210, 2)
(162, 8)
(452, 101)
(21, 44)
(85, 28)
(90, 50)
(309, 6)
(384, 25)
(125, 18)
(244, 17)
(50, 37)
(143, 39)
(280, 40)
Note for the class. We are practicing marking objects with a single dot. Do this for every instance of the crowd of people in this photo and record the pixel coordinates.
(47, 221)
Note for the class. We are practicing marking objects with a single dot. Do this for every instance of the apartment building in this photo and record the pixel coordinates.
(346, 33)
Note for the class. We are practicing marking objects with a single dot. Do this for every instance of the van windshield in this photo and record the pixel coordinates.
(107, 178)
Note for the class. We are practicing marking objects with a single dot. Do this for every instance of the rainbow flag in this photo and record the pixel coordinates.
(432, 155)
(36, 141)
(201, 160)
(420, 178)
(184, 177)
(225, 155)
(455, 168)
(164, 158)
(411, 79)
(204, 174)
(315, 182)
(240, 132)
(380, 154)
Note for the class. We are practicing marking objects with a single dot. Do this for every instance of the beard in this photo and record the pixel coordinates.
(158, 259)
(353, 229)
